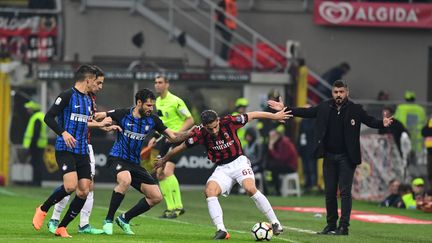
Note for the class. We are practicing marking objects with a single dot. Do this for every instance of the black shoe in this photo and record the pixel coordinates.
(341, 231)
(221, 235)
(179, 211)
(168, 214)
(277, 229)
(328, 230)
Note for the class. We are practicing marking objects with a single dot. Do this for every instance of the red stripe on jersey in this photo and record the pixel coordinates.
(226, 145)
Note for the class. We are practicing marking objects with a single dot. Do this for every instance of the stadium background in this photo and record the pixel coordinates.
(101, 32)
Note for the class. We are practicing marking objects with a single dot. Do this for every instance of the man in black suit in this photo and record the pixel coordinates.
(337, 139)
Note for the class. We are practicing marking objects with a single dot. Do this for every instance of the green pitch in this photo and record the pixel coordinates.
(240, 214)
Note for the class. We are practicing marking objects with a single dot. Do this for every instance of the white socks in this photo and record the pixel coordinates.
(58, 208)
(264, 206)
(215, 212)
(86, 210)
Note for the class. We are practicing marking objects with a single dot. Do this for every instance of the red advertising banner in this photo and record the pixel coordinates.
(373, 14)
(29, 37)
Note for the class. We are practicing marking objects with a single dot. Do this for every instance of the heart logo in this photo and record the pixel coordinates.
(336, 13)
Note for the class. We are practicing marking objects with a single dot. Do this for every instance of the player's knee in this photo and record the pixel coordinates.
(124, 182)
(156, 199)
(82, 193)
(70, 188)
(211, 192)
(250, 191)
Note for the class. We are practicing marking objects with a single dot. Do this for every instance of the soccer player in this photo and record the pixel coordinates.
(105, 124)
(176, 116)
(73, 108)
(224, 149)
(136, 123)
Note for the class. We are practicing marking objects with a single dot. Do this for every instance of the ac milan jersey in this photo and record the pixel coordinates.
(226, 146)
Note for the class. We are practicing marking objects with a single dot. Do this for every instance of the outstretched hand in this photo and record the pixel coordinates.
(387, 121)
(276, 105)
(283, 115)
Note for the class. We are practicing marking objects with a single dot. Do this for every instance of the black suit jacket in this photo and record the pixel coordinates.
(354, 116)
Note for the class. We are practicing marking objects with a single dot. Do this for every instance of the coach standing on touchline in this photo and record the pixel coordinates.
(337, 135)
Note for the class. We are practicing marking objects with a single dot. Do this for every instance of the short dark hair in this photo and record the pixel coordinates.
(390, 108)
(144, 95)
(345, 65)
(340, 83)
(162, 77)
(84, 71)
(99, 71)
(208, 116)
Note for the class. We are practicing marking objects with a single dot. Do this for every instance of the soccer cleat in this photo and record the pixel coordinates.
(62, 232)
(52, 225)
(169, 214)
(88, 229)
(277, 228)
(179, 211)
(221, 235)
(107, 227)
(328, 230)
(38, 218)
(124, 226)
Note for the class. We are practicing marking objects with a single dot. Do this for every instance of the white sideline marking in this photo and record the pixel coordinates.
(6, 192)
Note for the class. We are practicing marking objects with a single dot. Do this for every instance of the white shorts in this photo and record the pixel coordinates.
(228, 174)
(92, 160)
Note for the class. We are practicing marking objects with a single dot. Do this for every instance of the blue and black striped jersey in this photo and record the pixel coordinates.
(72, 109)
(130, 141)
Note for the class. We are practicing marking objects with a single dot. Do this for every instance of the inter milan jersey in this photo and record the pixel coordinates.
(135, 130)
(72, 109)
(93, 98)
(226, 146)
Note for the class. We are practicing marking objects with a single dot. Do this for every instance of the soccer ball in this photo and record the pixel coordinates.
(262, 231)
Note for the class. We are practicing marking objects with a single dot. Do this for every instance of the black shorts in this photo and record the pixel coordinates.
(69, 162)
(139, 175)
(164, 146)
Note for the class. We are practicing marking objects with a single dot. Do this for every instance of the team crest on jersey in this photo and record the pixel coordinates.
(226, 135)
(352, 122)
(118, 167)
(64, 167)
(190, 141)
(58, 100)
(147, 127)
(89, 109)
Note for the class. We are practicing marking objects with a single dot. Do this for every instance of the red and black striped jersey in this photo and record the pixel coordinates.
(226, 146)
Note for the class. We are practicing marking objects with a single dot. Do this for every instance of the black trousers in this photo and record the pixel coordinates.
(338, 171)
(227, 36)
(37, 162)
(429, 168)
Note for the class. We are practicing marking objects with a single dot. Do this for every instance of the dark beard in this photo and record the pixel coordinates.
(141, 112)
(340, 101)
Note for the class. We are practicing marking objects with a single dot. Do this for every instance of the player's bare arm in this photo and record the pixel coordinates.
(281, 115)
(98, 116)
(105, 122)
(174, 137)
(188, 123)
(162, 161)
